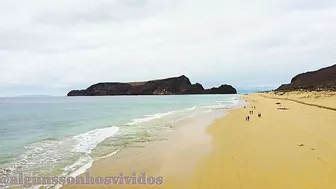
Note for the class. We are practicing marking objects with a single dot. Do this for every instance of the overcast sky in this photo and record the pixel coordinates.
(50, 47)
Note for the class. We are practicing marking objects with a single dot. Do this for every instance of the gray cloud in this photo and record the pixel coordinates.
(56, 46)
(310, 4)
(102, 11)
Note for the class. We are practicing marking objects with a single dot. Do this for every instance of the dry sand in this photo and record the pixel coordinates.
(284, 149)
(287, 149)
(319, 98)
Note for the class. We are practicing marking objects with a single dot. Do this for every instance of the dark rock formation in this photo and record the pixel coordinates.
(323, 79)
(223, 89)
(171, 86)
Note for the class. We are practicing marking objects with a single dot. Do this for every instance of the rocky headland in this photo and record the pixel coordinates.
(171, 86)
(321, 80)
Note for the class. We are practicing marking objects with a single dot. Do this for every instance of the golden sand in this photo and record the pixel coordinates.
(319, 98)
(289, 148)
(293, 148)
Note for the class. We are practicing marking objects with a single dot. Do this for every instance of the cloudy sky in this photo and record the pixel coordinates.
(50, 47)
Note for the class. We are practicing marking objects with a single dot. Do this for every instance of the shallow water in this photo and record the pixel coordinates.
(50, 136)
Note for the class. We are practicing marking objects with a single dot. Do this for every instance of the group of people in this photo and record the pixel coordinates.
(247, 118)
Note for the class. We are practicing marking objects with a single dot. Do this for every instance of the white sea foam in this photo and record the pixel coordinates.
(108, 155)
(74, 155)
(235, 100)
(78, 168)
(88, 141)
(72, 169)
(232, 100)
(224, 104)
(192, 108)
(47, 155)
(39, 156)
(215, 106)
(147, 118)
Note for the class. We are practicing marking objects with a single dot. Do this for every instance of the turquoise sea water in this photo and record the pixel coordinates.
(52, 136)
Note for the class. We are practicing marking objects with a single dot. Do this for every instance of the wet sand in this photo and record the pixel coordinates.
(173, 158)
(292, 147)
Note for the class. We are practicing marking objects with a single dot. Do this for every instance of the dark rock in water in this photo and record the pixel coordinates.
(77, 93)
(223, 89)
(170, 86)
(323, 79)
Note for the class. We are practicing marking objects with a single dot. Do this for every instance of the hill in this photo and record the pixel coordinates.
(322, 79)
(171, 86)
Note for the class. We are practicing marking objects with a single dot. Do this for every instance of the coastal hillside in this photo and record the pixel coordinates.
(323, 79)
(170, 86)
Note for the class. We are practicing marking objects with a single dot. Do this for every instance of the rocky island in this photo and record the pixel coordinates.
(171, 86)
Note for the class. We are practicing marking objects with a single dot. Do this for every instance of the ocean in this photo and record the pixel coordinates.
(63, 136)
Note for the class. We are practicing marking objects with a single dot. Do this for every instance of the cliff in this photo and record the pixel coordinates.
(170, 86)
(323, 79)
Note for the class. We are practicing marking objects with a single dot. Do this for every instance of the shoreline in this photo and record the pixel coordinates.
(151, 158)
(285, 148)
(85, 135)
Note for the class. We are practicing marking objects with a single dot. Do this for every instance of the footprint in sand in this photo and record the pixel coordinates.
(302, 145)
(318, 158)
(239, 181)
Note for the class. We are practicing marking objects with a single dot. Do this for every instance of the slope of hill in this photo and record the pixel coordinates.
(322, 79)
(170, 86)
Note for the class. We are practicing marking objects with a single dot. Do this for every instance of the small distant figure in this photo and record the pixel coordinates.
(252, 112)
(245, 107)
(247, 118)
(259, 115)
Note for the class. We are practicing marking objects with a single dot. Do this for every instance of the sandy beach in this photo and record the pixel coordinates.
(293, 145)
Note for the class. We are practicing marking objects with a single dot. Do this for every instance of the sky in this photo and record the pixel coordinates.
(51, 47)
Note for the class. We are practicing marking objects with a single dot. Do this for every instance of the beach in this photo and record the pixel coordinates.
(80, 131)
(175, 94)
(293, 148)
(292, 145)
